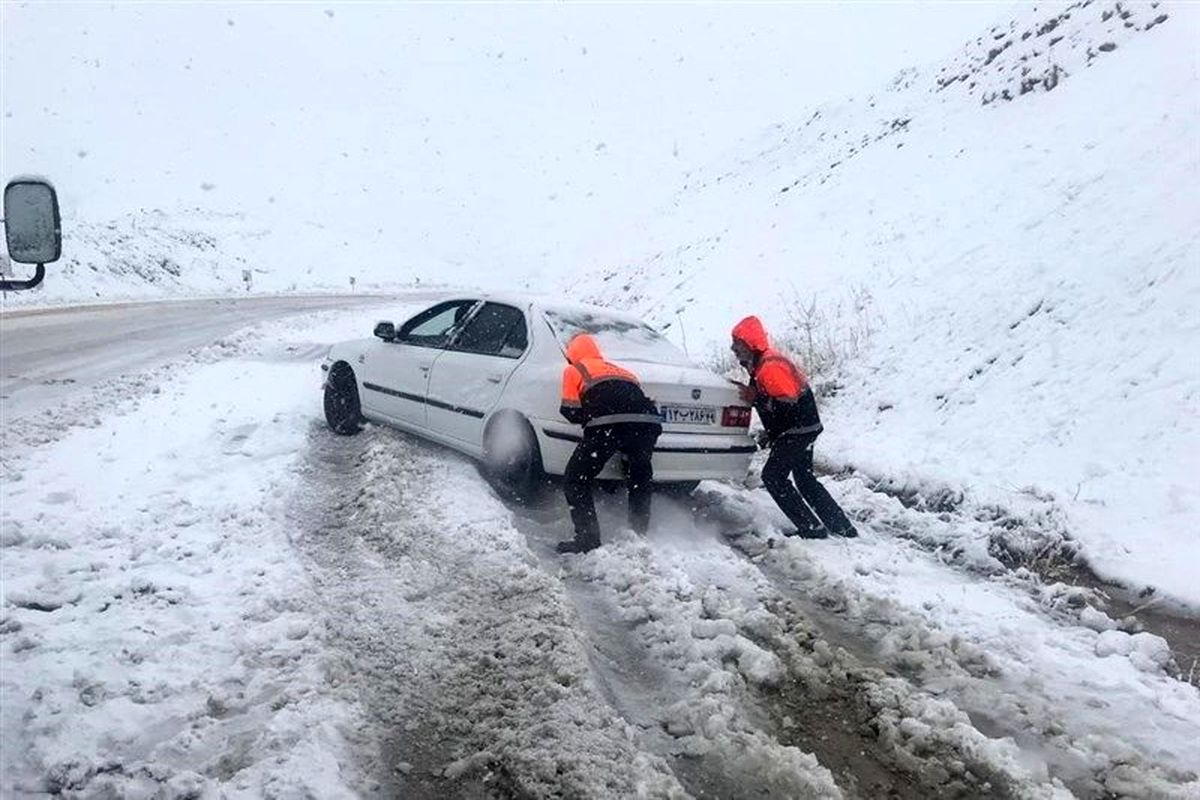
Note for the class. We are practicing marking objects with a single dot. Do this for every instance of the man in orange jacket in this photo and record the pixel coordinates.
(616, 416)
(787, 407)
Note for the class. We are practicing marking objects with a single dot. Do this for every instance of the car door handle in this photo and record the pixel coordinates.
(495, 378)
(425, 368)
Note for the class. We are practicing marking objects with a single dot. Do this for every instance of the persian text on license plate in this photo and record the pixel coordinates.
(688, 415)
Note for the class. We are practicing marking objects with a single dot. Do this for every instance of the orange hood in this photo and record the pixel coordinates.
(582, 346)
(751, 332)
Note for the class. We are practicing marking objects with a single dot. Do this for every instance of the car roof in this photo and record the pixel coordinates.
(545, 302)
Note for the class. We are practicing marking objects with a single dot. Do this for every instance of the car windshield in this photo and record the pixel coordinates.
(619, 338)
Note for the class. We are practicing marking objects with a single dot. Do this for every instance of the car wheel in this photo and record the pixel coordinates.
(343, 411)
(512, 460)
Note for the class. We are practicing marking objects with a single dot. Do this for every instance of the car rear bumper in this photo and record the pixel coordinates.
(677, 456)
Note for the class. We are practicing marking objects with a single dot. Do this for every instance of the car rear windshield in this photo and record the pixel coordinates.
(619, 338)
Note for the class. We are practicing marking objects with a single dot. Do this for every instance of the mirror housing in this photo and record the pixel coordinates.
(385, 331)
(32, 227)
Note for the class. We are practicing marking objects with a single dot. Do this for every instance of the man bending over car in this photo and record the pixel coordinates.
(616, 416)
(788, 409)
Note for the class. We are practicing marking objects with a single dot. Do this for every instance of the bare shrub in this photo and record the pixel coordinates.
(821, 339)
(824, 338)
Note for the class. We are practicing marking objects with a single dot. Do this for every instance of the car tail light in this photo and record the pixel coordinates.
(735, 417)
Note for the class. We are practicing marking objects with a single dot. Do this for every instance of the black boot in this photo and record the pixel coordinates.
(577, 546)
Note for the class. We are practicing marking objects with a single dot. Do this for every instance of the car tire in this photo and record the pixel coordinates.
(343, 411)
(512, 459)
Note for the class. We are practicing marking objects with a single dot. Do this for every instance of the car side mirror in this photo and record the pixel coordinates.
(32, 228)
(385, 331)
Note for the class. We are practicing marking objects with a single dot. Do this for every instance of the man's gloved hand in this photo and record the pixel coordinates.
(747, 392)
(763, 440)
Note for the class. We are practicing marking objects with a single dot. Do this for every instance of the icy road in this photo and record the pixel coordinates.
(206, 594)
(49, 354)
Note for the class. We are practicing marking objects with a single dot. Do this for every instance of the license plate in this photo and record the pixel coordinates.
(688, 415)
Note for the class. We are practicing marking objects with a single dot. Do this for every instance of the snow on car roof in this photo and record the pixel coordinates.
(547, 302)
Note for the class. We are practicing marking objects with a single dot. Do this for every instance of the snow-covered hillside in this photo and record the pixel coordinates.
(154, 254)
(1004, 247)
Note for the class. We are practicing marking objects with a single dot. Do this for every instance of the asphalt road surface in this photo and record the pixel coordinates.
(47, 355)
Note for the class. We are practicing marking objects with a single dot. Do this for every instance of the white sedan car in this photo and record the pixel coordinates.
(482, 375)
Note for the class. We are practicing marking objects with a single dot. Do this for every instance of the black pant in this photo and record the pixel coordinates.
(792, 456)
(634, 439)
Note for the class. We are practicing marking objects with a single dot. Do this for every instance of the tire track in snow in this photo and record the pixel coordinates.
(459, 648)
(705, 608)
(687, 701)
(1050, 693)
(878, 734)
(728, 756)
(629, 581)
(724, 720)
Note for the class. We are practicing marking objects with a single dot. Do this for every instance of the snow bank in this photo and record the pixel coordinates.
(1019, 659)
(157, 629)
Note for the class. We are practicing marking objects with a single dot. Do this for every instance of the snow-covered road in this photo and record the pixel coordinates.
(206, 594)
(47, 355)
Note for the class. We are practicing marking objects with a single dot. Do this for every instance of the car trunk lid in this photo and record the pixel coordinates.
(689, 399)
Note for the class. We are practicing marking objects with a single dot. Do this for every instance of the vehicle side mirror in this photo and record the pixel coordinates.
(385, 331)
(32, 227)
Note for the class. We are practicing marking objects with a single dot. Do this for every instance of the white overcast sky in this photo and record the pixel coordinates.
(487, 134)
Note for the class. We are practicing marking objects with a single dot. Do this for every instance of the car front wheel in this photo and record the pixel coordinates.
(343, 412)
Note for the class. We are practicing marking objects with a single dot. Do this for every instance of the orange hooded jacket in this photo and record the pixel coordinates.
(786, 403)
(621, 400)
(774, 373)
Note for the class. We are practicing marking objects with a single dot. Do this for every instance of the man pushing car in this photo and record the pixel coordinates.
(787, 407)
(607, 400)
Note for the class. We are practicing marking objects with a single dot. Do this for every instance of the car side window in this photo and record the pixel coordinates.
(517, 340)
(497, 330)
(433, 326)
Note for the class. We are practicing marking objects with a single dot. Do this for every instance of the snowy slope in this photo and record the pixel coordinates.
(154, 254)
(484, 136)
(1008, 242)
